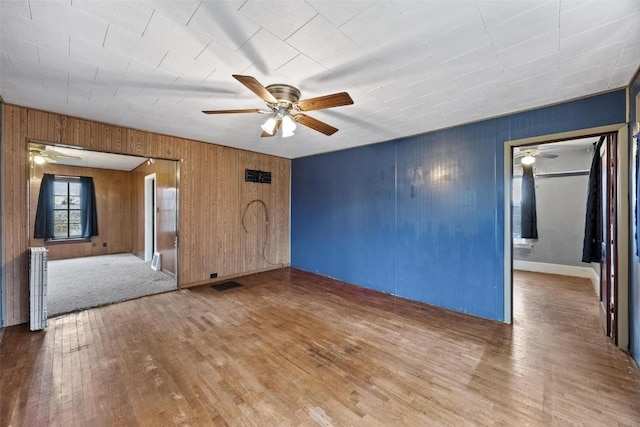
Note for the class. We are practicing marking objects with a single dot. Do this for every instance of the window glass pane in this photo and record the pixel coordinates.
(515, 211)
(75, 229)
(60, 188)
(517, 230)
(516, 190)
(60, 229)
(74, 188)
(74, 202)
(60, 202)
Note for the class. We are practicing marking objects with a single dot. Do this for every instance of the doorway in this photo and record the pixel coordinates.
(619, 232)
(136, 202)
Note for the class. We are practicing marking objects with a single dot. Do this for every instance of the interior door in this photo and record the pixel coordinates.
(608, 263)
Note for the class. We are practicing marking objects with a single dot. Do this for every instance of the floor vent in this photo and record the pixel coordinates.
(226, 285)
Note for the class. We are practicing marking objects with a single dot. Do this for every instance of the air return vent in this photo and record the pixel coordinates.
(262, 177)
(226, 285)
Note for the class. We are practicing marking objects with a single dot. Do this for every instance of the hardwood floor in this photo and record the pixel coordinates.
(292, 348)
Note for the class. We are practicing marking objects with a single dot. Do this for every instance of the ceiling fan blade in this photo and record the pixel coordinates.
(315, 124)
(327, 101)
(520, 152)
(547, 155)
(248, 110)
(256, 87)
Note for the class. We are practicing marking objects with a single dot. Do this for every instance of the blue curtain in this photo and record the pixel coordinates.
(528, 217)
(89, 215)
(44, 213)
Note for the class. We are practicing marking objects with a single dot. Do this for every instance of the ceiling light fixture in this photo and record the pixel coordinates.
(528, 159)
(288, 126)
(280, 118)
(269, 126)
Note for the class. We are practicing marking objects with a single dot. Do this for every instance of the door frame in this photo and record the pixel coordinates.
(150, 217)
(608, 214)
(623, 219)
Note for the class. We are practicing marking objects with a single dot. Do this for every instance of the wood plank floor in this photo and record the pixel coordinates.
(291, 348)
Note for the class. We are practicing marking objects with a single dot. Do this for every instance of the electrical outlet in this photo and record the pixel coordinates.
(104, 245)
(213, 275)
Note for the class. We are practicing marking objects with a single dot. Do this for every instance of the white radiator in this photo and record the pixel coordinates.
(38, 288)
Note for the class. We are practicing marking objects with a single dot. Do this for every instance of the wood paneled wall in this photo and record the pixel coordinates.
(167, 214)
(113, 200)
(212, 196)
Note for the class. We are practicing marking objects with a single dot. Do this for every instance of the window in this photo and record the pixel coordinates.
(515, 207)
(66, 209)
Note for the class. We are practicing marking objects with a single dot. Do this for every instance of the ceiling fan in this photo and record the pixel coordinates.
(528, 155)
(40, 154)
(286, 109)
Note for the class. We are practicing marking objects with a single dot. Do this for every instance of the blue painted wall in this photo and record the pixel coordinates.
(422, 217)
(634, 292)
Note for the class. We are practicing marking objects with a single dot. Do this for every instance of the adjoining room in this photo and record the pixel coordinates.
(134, 206)
(549, 207)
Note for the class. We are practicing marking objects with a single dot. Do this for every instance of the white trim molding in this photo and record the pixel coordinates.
(563, 270)
(595, 278)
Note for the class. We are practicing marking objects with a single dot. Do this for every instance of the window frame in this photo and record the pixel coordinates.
(68, 180)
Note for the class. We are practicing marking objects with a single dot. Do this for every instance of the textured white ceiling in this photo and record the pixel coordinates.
(90, 159)
(410, 66)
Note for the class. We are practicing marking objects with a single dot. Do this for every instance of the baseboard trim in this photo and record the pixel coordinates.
(595, 281)
(563, 270)
(232, 276)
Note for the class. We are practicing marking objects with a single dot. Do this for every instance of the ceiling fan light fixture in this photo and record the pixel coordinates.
(288, 126)
(269, 126)
(528, 160)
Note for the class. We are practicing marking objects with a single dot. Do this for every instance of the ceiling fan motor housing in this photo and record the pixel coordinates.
(285, 94)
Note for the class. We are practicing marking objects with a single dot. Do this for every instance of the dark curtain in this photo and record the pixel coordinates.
(89, 216)
(44, 213)
(636, 211)
(528, 219)
(592, 243)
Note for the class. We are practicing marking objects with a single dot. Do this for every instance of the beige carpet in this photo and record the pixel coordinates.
(81, 283)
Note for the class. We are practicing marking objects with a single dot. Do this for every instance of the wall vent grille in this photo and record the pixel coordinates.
(261, 177)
